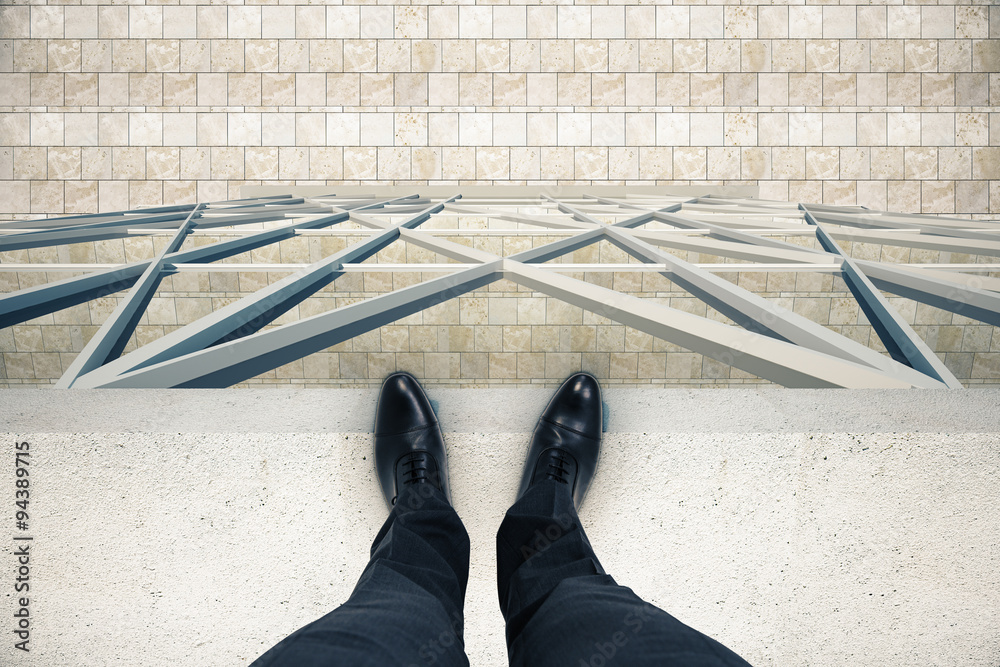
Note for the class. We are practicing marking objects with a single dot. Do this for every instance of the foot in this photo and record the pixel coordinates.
(566, 443)
(409, 448)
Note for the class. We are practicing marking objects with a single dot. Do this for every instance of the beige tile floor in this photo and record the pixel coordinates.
(110, 107)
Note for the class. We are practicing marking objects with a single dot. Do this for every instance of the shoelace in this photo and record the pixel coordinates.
(414, 467)
(556, 469)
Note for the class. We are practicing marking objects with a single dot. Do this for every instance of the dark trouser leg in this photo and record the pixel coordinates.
(407, 607)
(561, 607)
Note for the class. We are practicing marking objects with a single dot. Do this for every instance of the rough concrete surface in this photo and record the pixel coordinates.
(182, 544)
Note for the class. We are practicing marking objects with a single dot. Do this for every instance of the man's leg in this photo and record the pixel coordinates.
(562, 608)
(407, 607)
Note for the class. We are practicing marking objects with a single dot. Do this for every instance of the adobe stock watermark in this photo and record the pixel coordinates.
(21, 551)
(422, 493)
(544, 538)
(450, 639)
(431, 651)
(611, 647)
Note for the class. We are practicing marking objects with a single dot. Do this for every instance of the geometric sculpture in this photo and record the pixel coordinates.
(765, 339)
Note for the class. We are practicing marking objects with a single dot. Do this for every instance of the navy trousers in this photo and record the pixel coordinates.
(560, 606)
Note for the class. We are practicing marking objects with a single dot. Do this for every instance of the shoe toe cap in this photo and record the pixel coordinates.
(577, 406)
(402, 406)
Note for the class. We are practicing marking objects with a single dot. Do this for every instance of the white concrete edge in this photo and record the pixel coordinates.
(632, 410)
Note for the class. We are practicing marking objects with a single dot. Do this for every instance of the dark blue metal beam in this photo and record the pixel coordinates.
(899, 339)
(251, 313)
(978, 304)
(239, 360)
(112, 337)
(26, 304)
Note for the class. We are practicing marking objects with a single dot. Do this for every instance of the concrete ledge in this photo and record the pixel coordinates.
(764, 410)
(800, 528)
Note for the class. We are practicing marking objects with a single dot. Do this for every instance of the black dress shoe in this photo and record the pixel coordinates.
(409, 448)
(566, 443)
